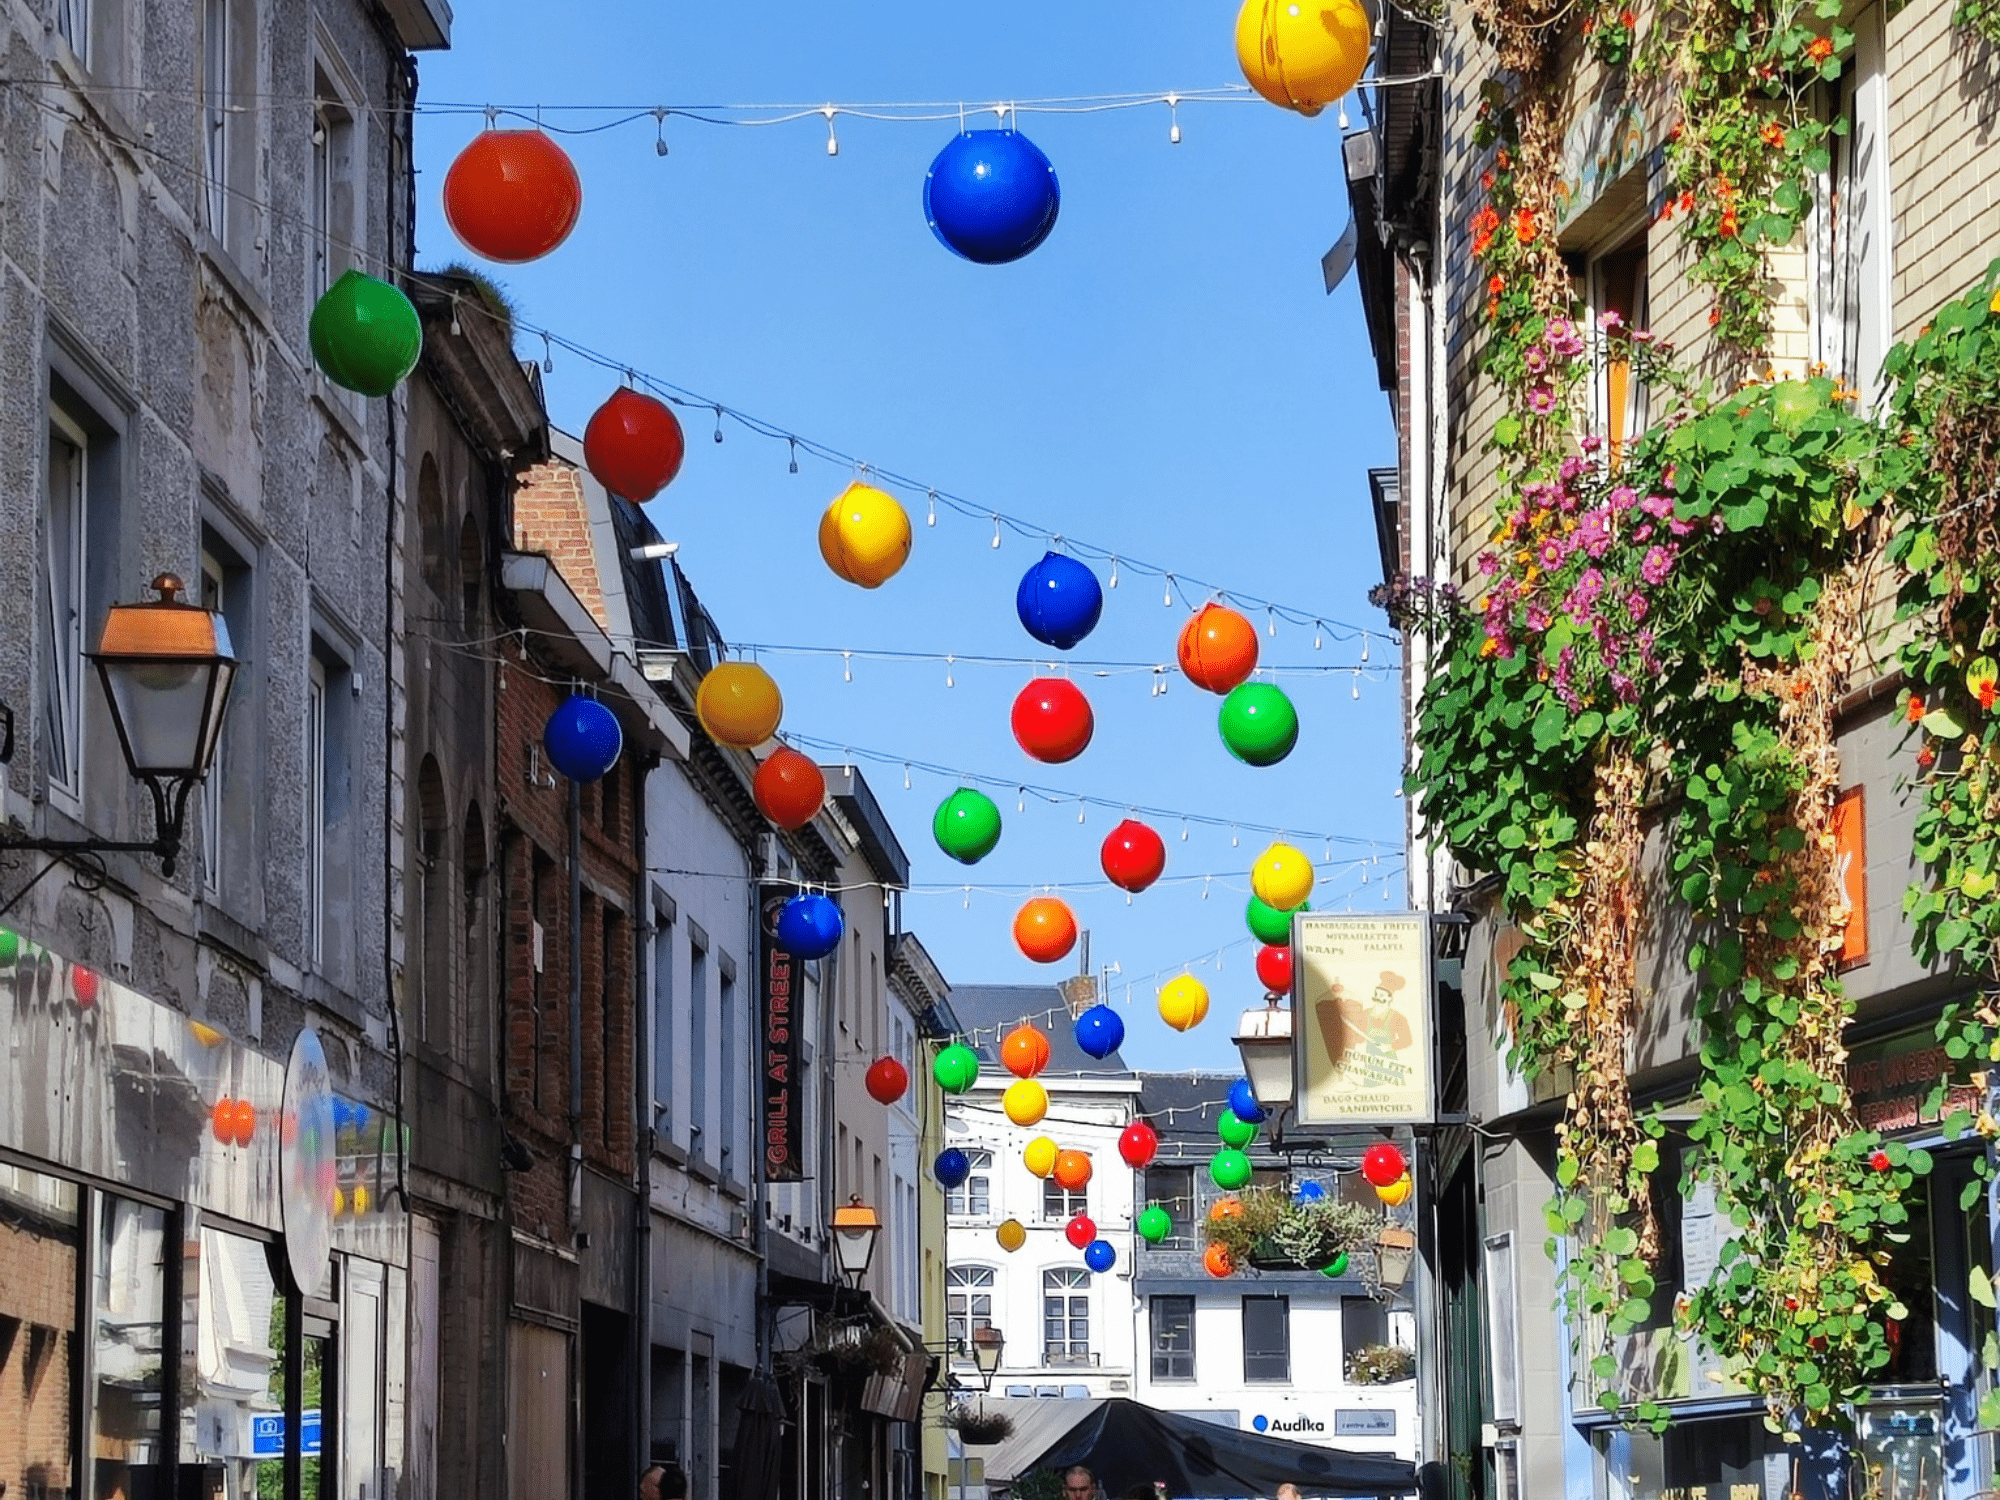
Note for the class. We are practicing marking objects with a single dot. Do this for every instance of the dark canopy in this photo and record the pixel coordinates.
(1124, 1443)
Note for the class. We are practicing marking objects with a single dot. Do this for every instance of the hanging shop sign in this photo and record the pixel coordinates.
(1850, 854)
(784, 1159)
(1362, 1027)
(308, 1169)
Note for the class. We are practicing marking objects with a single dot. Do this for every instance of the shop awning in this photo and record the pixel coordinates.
(1124, 1444)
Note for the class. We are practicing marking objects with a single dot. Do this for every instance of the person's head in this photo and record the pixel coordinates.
(1079, 1483)
(1289, 1492)
(663, 1482)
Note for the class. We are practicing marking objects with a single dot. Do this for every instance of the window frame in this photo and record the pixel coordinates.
(1059, 1204)
(963, 1285)
(1260, 1363)
(64, 703)
(218, 28)
(1619, 403)
(972, 1198)
(318, 728)
(1853, 305)
(228, 574)
(1066, 1301)
(1165, 1360)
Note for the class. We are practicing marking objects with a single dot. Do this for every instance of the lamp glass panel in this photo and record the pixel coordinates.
(162, 707)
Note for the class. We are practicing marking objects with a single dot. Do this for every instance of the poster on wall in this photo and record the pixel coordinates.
(783, 1103)
(1362, 1018)
(1850, 853)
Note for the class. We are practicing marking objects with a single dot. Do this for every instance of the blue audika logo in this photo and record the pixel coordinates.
(1260, 1422)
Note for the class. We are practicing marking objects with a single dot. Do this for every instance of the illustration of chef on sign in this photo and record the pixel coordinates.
(1364, 983)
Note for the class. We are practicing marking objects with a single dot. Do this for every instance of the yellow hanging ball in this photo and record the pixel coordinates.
(1282, 878)
(360, 1201)
(1025, 1101)
(1183, 1002)
(1397, 1193)
(738, 704)
(1039, 1156)
(1011, 1235)
(1302, 54)
(865, 536)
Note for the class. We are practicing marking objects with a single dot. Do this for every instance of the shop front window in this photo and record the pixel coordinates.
(128, 1361)
(238, 1418)
(41, 1237)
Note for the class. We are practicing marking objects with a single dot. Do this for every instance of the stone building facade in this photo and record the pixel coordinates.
(1903, 222)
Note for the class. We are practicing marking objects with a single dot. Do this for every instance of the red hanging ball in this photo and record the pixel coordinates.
(1382, 1164)
(1274, 968)
(633, 445)
(1052, 720)
(512, 195)
(1080, 1231)
(1139, 1144)
(1133, 856)
(84, 983)
(789, 788)
(244, 1122)
(886, 1080)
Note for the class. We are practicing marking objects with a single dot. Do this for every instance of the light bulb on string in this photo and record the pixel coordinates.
(1343, 114)
(930, 508)
(996, 532)
(1364, 645)
(548, 356)
(1318, 629)
(1079, 813)
(455, 329)
(1168, 592)
(1205, 880)
(847, 666)
(968, 898)
(1184, 830)
(660, 120)
(1174, 115)
(1271, 621)
(906, 776)
(795, 453)
(1357, 685)
(948, 682)
(832, 140)
(1233, 843)
(1020, 799)
(718, 423)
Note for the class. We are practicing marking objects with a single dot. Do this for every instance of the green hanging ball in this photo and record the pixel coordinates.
(365, 335)
(1338, 1267)
(1236, 1132)
(956, 1068)
(966, 825)
(1258, 723)
(1230, 1168)
(10, 946)
(1268, 924)
(1155, 1224)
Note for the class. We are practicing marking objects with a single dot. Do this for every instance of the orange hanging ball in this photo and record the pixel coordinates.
(1218, 1261)
(1045, 929)
(789, 788)
(1072, 1170)
(512, 195)
(1218, 648)
(1226, 1208)
(1302, 54)
(1025, 1052)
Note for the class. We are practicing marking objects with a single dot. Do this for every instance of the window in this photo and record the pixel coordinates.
(64, 604)
(94, 31)
(1059, 1203)
(698, 1048)
(470, 1025)
(971, 1197)
(1850, 231)
(1172, 1188)
(541, 897)
(1618, 290)
(217, 43)
(616, 1046)
(430, 920)
(226, 807)
(329, 831)
(331, 237)
(1066, 1316)
(1173, 1338)
(663, 1023)
(40, 1354)
(73, 26)
(1364, 1322)
(732, 1085)
(129, 1325)
(1267, 1338)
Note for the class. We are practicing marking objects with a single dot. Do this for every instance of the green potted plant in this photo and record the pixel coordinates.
(1381, 1364)
(1274, 1231)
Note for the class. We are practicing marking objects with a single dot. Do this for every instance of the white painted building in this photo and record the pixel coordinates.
(1262, 1351)
(1069, 1331)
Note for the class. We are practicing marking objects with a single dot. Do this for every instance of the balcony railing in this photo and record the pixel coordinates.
(1058, 1357)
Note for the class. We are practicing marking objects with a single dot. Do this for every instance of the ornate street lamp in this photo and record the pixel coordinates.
(167, 668)
(1264, 1037)
(855, 1228)
(987, 1346)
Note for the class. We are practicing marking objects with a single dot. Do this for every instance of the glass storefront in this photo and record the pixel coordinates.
(41, 1248)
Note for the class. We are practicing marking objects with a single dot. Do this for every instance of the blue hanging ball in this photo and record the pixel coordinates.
(1059, 601)
(1100, 1256)
(1099, 1031)
(583, 739)
(1309, 1192)
(952, 1167)
(809, 926)
(1243, 1100)
(991, 196)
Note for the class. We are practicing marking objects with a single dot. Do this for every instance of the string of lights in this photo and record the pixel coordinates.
(1023, 790)
(1234, 884)
(1177, 586)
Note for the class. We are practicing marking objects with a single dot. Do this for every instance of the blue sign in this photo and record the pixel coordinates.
(267, 1435)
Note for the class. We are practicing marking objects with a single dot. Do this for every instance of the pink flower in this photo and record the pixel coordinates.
(1659, 507)
(1636, 606)
(1489, 563)
(1611, 320)
(1541, 400)
(1535, 360)
(1592, 442)
(1657, 563)
(1552, 553)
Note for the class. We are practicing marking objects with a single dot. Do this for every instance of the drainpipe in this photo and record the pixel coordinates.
(575, 1006)
(642, 1137)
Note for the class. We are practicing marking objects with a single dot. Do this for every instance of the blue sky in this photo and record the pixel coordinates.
(1165, 377)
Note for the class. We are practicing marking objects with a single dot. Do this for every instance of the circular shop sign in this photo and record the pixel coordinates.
(307, 1175)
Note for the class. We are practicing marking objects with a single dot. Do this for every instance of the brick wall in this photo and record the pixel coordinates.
(550, 517)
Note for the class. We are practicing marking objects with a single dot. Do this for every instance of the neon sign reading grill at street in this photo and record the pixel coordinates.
(779, 1064)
